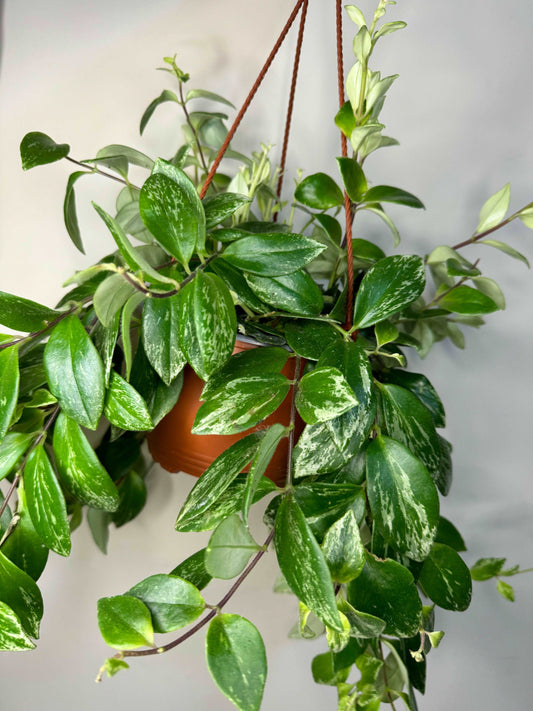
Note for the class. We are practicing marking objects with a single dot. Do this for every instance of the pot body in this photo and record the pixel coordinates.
(175, 448)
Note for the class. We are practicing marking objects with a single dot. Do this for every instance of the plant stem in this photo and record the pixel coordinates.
(297, 367)
(191, 126)
(476, 238)
(51, 324)
(445, 293)
(385, 679)
(95, 169)
(156, 295)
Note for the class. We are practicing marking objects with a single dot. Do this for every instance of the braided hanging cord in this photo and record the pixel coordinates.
(250, 97)
(347, 201)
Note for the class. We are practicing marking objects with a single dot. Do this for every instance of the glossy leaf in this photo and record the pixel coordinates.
(236, 282)
(385, 193)
(317, 452)
(343, 549)
(310, 338)
(353, 178)
(70, 215)
(217, 477)
(254, 362)
(323, 671)
(173, 603)
(389, 286)
(24, 315)
(487, 568)
(505, 590)
(387, 590)
(420, 386)
(448, 534)
(46, 502)
(402, 496)
(466, 300)
(272, 254)
(241, 404)
(9, 387)
(221, 206)
(12, 448)
(19, 591)
(229, 549)
(303, 564)
(125, 622)
(193, 570)
(260, 462)
(362, 624)
(319, 191)
(105, 340)
(236, 659)
(207, 323)
(296, 293)
(494, 209)
(445, 578)
(79, 467)
(13, 638)
(160, 339)
(124, 407)
(324, 503)
(164, 97)
(39, 149)
(323, 394)
(132, 493)
(75, 372)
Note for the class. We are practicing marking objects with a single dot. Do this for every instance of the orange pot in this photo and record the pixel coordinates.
(175, 448)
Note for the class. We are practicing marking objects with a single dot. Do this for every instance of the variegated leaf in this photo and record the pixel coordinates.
(323, 394)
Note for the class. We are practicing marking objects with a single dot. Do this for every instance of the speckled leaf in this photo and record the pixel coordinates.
(193, 570)
(9, 387)
(19, 591)
(207, 323)
(219, 207)
(261, 460)
(217, 477)
(37, 148)
(12, 448)
(296, 293)
(409, 422)
(389, 286)
(343, 549)
(387, 590)
(229, 549)
(241, 404)
(272, 254)
(309, 339)
(445, 578)
(303, 564)
(124, 407)
(13, 638)
(324, 503)
(323, 394)
(362, 624)
(402, 496)
(46, 502)
(236, 659)
(24, 315)
(317, 453)
(236, 282)
(173, 602)
(125, 622)
(79, 467)
(420, 386)
(75, 372)
(160, 337)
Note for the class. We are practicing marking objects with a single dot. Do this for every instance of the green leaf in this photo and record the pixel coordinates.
(389, 27)
(124, 407)
(449, 535)
(9, 387)
(272, 254)
(46, 502)
(79, 467)
(355, 15)
(446, 579)
(132, 155)
(132, 493)
(24, 315)
(403, 498)
(161, 99)
(303, 564)
(173, 603)
(13, 638)
(105, 340)
(99, 522)
(23, 545)
(506, 249)
(323, 670)
(420, 386)
(323, 394)
(75, 372)
(494, 209)
(203, 94)
(193, 570)
(19, 591)
(130, 307)
(241, 404)
(219, 207)
(310, 338)
(236, 282)
(39, 149)
(345, 119)
(125, 622)
(387, 220)
(410, 423)
(505, 590)
(254, 362)
(385, 332)
(362, 624)
(169, 214)
(12, 448)
(386, 193)
(69, 210)
(387, 590)
(296, 293)
(217, 477)
(207, 324)
(466, 300)
(487, 568)
(491, 289)
(261, 460)
(319, 191)
(343, 549)
(389, 286)
(112, 666)
(362, 44)
(110, 296)
(236, 660)
(353, 178)
(229, 549)
(324, 503)
(160, 339)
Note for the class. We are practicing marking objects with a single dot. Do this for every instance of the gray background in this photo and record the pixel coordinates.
(83, 73)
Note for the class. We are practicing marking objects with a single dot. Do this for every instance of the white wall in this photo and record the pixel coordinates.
(83, 73)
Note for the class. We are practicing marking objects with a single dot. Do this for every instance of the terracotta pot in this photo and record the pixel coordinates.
(175, 448)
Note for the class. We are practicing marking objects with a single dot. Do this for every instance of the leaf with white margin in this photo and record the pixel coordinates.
(12, 635)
